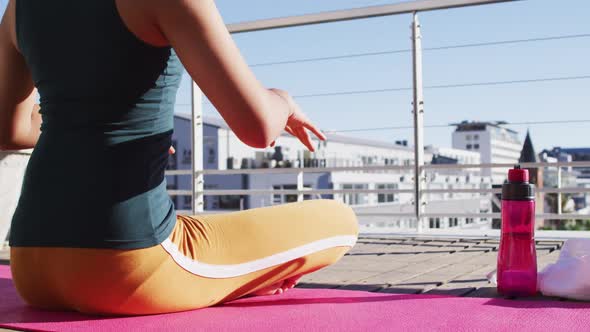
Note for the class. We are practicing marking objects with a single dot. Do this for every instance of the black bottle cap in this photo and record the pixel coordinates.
(518, 187)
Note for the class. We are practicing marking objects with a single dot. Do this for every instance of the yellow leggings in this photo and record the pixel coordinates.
(208, 259)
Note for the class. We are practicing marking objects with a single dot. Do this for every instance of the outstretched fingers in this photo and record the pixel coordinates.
(301, 133)
(315, 130)
(304, 138)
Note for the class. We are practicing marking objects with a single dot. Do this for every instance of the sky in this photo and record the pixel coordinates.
(559, 100)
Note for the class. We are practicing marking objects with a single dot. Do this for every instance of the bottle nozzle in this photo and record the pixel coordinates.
(518, 175)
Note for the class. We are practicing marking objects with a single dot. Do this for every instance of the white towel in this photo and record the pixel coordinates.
(569, 277)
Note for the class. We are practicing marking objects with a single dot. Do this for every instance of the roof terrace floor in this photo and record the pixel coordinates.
(416, 265)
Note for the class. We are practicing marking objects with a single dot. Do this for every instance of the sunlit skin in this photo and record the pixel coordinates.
(278, 288)
(196, 31)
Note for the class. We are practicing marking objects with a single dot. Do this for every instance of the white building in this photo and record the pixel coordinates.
(458, 156)
(570, 176)
(223, 150)
(495, 144)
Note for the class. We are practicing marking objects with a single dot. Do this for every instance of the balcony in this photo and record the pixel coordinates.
(413, 256)
(425, 195)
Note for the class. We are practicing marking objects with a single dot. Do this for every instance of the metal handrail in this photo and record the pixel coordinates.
(571, 190)
(254, 192)
(295, 170)
(355, 14)
(508, 165)
(370, 169)
(309, 191)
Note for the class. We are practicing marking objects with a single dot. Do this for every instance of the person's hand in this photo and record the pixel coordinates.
(298, 123)
(171, 150)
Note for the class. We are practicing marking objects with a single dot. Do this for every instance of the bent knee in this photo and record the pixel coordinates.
(339, 214)
(347, 218)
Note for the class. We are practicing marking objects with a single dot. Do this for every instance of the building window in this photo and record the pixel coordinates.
(475, 137)
(468, 137)
(211, 156)
(387, 197)
(476, 146)
(277, 198)
(453, 222)
(483, 185)
(389, 161)
(352, 198)
(186, 157)
(434, 222)
(230, 202)
(469, 221)
(187, 203)
(469, 146)
(280, 198)
(171, 182)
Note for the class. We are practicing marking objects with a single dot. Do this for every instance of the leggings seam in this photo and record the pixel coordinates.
(240, 269)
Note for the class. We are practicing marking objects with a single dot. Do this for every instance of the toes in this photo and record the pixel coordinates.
(279, 287)
(293, 281)
(270, 290)
(290, 283)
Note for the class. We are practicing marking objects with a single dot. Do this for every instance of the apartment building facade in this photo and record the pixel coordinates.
(495, 144)
(223, 150)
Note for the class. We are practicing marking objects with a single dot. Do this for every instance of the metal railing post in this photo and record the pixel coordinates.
(418, 112)
(300, 186)
(197, 148)
(559, 198)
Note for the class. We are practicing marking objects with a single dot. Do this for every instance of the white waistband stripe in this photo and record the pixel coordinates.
(235, 270)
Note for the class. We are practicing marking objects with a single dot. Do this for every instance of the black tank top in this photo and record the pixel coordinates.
(96, 176)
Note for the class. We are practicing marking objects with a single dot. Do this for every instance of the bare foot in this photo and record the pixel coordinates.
(279, 287)
(291, 282)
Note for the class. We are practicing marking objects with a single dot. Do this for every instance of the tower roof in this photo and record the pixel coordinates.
(527, 154)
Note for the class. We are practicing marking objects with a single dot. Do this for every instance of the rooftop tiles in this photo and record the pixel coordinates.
(415, 265)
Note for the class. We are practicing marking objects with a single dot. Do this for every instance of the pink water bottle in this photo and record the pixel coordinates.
(517, 259)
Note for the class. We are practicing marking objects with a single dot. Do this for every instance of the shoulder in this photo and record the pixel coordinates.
(149, 18)
(142, 18)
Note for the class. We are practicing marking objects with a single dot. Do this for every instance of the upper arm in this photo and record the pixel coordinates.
(195, 29)
(17, 92)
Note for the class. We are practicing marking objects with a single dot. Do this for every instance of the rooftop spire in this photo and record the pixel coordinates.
(528, 155)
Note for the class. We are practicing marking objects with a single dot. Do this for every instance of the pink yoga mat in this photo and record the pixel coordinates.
(318, 310)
